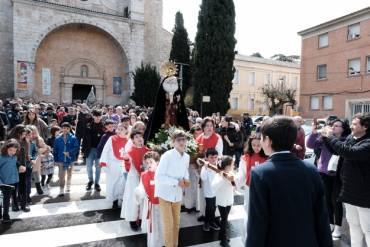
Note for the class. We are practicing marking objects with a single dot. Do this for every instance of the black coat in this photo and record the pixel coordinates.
(287, 206)
(157, 118)
(93, 132)
(354, 169)
(234, 137)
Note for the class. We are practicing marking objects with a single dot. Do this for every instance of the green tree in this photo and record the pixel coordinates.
(283, 58)
(180, 50)
(146, 82)
(214, 53)
(257, 54)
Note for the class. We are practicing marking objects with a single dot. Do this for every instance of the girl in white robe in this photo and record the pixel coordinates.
(111, 159)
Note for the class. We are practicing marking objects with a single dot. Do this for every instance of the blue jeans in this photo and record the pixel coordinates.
(89, 166)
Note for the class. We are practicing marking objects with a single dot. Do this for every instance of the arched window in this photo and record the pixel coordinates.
(84, 71)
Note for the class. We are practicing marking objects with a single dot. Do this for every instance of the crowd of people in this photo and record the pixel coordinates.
(288, 201)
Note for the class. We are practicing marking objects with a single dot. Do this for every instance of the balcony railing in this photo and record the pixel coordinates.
(93, 8)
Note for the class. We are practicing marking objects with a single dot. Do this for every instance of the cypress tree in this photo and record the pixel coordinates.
(214, 53)
(146, 82)
(180, 50)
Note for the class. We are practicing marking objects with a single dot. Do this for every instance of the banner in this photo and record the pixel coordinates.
(117, 85)
(22, 75)
(46, 81)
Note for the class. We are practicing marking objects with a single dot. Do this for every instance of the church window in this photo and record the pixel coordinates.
(84, 71)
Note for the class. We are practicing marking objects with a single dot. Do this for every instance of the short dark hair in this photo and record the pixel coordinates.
(225, 161)
(108, 122)
(206, 120)
(364, 121)
(125, 118)
(135, 132)
(96, 112)
(66, 125)
(11, 143)
(282, 131)
(152, 155)
(211, 152)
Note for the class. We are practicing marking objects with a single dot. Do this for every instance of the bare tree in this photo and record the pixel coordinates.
(277, 95)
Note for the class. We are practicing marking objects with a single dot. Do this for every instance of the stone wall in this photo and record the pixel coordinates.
(6, 49)
(33, 21)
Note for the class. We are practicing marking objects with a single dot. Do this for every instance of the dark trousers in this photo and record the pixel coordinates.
(43, 177)
(22, 189)
(224, 213)
(210, 210)
(238, 155)
(28, 180)
(7, 193)
(335, 208)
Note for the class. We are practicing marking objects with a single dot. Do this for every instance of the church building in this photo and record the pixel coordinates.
(60, 50)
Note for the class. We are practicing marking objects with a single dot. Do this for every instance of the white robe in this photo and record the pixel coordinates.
(191, 192)
(240, 181)
(115, 174)
(130, 211)
(155, 236)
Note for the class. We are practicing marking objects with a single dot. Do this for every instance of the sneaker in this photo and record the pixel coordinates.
(337, 233)
(6, 219)
(201, 218)
(134, 226)
(61, 192)
(224, 243)
(115, 204)
(97, 187)
(214, 226)
(206, 227)
(88, 186)
(25, 209)
(15, 208)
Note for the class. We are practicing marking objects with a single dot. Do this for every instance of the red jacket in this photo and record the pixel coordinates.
(250, 162)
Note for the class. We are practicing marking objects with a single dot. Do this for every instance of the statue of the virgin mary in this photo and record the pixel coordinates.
(169, 108)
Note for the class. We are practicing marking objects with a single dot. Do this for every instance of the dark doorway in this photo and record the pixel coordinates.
(80, 92)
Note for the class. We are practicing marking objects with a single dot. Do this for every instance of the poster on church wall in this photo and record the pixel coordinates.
(46, 81)
(117, 85)
(22, 75)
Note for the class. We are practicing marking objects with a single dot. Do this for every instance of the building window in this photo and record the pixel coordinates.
(354, 66)
(268, 78)
(84, 71)
(236, 76)
(323, 40)
(315, 103)
(251, 104)
(353, 31)
(252, 78)
(368, 64)
(321, 71)
(327, 102)
(234, 103)
(294, 83)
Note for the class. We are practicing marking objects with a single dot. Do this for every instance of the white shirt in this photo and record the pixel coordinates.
(223, 190)
(207, 175)
(172, 168)
(281, 152)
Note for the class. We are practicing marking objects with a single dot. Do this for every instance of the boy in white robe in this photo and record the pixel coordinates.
(112, 159)
(144, 195)
(134, 166)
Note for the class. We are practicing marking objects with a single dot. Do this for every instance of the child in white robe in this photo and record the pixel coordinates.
(144, 195)
(112, 159)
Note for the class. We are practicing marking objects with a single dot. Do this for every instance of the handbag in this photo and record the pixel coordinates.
(333, 163)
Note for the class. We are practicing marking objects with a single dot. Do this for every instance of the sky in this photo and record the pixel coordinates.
(267, 26)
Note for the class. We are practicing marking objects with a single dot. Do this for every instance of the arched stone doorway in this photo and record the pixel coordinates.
(80, 54)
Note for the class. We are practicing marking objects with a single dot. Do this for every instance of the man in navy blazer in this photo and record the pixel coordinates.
(287, 202)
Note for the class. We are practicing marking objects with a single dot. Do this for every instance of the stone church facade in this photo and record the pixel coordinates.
(60, 50)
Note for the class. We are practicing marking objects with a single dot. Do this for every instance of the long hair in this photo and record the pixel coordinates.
(28, 121)
(250, 148)
(11, 143)
(17, 131)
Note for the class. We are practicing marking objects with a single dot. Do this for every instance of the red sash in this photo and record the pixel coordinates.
(146, 178)
(250, 162)
(136, 154)
(118, 145)
(210, 142)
